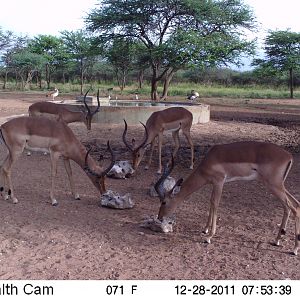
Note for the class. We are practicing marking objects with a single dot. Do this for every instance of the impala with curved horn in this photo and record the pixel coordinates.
(60, 112)
(171, 119)
(42, 134)
(266, 162)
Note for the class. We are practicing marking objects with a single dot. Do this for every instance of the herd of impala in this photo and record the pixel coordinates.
(46, 129)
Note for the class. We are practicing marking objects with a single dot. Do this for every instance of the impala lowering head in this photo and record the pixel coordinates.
(100, 176)
(138, 152)
(89, 114)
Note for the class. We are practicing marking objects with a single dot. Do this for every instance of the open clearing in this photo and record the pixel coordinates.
(80, 240)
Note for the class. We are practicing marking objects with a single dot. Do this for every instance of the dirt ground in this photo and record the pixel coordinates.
(81, 240)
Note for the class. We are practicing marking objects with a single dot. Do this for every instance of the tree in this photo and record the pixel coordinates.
(175, 33)
(122, 64)
(80, 47)
(26, 64)
(282, 50)
(13, 45)
(50, 47)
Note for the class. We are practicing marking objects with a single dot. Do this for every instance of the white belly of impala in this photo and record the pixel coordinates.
(38, 143)
(249, 177)
(241, 171)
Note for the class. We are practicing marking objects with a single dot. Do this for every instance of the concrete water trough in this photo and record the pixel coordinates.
(114, 111)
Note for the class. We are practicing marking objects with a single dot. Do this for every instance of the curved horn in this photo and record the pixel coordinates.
(85, 104)
(124, 137)
(145, 139)
(98, 104)
(159, 186)
(103, 173)
(113, 160)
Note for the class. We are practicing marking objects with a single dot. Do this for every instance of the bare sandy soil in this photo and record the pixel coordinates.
(81, 240)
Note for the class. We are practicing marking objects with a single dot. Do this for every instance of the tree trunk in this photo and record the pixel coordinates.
(154, 92)
(154, 83)
(5, 80)
(81, 77)
(48, 76)
(167, 81)
(291, 83)
(140, 78)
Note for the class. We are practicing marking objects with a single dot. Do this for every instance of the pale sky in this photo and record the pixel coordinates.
(35, 17)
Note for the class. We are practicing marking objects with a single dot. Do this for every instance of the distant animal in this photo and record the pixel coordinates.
(193, 95)
(53, 94)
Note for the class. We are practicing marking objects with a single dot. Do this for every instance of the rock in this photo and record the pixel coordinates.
(112, 199)
(156, 225)
(122, 169)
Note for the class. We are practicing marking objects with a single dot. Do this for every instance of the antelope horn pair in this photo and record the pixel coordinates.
(87, 107)
(103, 173)
(127, 144)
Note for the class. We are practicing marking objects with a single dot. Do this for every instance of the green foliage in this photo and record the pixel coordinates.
(176, 33)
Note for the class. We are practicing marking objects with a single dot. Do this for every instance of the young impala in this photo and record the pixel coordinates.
(171, 119)
(237, 161)
(60, 112)
(42, 134)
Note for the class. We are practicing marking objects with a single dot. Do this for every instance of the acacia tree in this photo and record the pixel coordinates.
(282, 49)
(122, 64)
(79, 46)
(26, 64)
(13, 44)
(50, 47)
(166, 27)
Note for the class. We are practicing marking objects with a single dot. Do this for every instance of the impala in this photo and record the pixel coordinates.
(236, 161)
(42, 134)
(171, 119)
(60, 112)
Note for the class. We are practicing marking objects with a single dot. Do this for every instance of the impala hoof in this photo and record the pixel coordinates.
(146, 167)
(54, 203)
(207, 240)
(77, 197)
(15, 201)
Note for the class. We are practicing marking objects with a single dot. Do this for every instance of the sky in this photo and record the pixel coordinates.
(34, 17)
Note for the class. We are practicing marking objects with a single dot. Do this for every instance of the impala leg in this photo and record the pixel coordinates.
(70, 176)
(209, 221)
(150, 156)
(187, 134)
(284, 196)
(160, 139)
(175, 135)
(282, 228)
(297, 231)
(54, 159)
(6, 171)
(215, 201)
